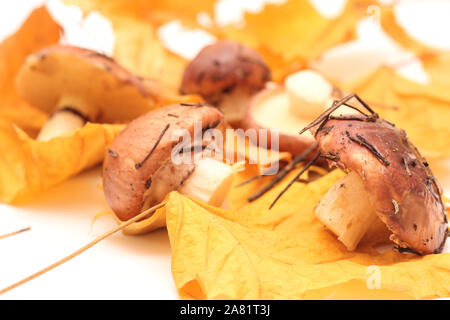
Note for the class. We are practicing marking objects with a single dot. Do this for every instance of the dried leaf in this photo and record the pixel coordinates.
(138, 49)
(286, 34)
(389, 23)
(237, 198)
(422, 110)
(284, 216)
(38, 31)
(438, 69)
(286, 253)
(158, 12)
(30, 166)
(295, 32)
(155, 221)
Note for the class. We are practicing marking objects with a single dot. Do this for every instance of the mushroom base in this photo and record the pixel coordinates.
(208, 181)
(346, 211)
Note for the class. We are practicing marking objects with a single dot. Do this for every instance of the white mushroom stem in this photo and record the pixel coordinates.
(310, 94)
(234, 105)
(68, 117)
(346, 211)
(210, 182)
(59, 123)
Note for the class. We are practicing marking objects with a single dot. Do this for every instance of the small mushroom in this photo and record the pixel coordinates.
(285, 108)
(388, 180)
(226, 74)
(142, 167)
(76, 85)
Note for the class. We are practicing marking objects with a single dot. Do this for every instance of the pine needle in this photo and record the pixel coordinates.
(140, 216)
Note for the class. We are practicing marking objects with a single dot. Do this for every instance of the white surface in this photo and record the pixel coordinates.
(139, 267)
(121, 267)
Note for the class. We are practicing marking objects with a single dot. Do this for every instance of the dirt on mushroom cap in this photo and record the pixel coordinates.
(222, 67)
(125, 182)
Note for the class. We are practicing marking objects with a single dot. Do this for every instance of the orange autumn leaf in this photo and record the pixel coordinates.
(31, 166)
(390, 25)
(157, 12)
(422, 110)
(287, 34)
(295, 32)
(138, 49)
(286, 253)
(249, 181)
(280, 68)
(155, 221)
(438, 69)
(284, 216)
(38, 31)
(245, 184)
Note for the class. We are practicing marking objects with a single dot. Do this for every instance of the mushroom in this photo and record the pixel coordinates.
(141, 166)
(285, 108)
(226, 74)
(388, 181)
(76, 85)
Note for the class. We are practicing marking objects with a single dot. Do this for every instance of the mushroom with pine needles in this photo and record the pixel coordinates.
(389, 191)
(158, 153)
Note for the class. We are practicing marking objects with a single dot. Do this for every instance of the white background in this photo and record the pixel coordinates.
(139, 267)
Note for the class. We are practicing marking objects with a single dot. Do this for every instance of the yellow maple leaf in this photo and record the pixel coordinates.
(138, 49)
(422, 110)
(158, 12)
(249, 181)
(294, 32)
(38, 31)
(28, 166)
(438, 69)
(286, 253)
(286, 34)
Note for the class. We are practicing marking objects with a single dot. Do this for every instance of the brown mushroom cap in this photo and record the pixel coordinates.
(125, 185)
(221, 67)
(398, 181)
(114, 93)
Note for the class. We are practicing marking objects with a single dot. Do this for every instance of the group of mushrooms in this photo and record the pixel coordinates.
(389, 192)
